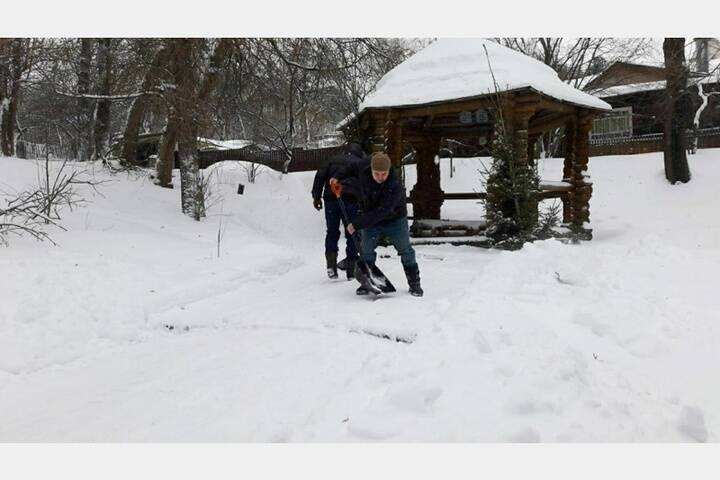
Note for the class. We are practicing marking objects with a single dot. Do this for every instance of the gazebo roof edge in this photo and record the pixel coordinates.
(351, 116)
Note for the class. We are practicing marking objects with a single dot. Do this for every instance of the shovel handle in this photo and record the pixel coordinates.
(336, 188)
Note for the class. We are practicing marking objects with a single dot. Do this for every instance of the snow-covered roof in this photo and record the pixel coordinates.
(457, 68)
(224, 144)
(607, 92)
(630, 88)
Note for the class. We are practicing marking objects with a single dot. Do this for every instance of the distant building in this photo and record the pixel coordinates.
(326, 140)
(636, 91)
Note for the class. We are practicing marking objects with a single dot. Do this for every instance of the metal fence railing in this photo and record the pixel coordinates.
(706, 138)
(24, 149)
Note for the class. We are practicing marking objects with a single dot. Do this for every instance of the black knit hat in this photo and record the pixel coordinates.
(354, 149)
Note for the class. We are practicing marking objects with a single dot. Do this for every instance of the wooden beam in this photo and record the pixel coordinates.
(446, 108)
(555, 106)
(473, 130)
(547, 122)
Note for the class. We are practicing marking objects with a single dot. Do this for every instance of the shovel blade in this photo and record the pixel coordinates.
(373, 279)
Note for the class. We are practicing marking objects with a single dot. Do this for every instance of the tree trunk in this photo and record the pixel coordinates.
(84, 117)
(139, 105)
(192, 192)
(7, 125)
(212, 76)
(4, 94)
(188, 114)
(102, 109)
(166, 152)
(677, 112)
(10, 95)
(186, 109)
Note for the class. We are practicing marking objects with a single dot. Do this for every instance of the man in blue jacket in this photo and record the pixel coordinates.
(383, 211)
(338, 167)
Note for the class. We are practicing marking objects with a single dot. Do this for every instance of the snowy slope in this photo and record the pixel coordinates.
(611, 340)
(457, 68)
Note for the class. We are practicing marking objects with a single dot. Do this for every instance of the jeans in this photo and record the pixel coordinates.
(398, 233)
(333, 218)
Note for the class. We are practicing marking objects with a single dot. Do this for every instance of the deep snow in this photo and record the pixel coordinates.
(610, 340)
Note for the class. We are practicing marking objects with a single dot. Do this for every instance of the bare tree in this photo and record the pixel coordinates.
(101, 117)
(17, 57)
(82, 88)
(576, 58)
(195, 79)
(296, 88)
(85, 108)
(31, 211)
(702, 75)
(153, 75)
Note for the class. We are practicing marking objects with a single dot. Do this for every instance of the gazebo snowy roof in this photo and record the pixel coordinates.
(457, 68)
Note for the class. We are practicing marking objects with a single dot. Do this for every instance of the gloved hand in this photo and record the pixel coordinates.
(317, 203)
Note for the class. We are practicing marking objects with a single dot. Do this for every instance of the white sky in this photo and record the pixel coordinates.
(618, 18)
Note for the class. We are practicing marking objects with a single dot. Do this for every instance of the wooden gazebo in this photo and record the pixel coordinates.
(450, 90)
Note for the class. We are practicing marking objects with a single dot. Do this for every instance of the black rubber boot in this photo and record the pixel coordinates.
(361, 291)
(331, 261)
(413, 278)
(350, 268)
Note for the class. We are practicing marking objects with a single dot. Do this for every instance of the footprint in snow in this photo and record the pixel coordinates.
(413, 398)
(370, 430)
(530, 406)
(481, 343)
(505, 371)
(590, 321)
(526, 435)
(504, 337)
(692, 424)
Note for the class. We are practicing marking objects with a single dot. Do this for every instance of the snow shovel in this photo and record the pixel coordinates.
(369, 277)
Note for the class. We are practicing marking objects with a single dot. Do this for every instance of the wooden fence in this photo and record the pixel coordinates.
(300, 160)
(707, 138)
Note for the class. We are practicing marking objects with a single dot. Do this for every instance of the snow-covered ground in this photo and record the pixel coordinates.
(611, 340)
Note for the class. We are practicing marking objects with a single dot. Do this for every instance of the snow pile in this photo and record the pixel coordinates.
(138, 331)
(458, 68)
(224, 144)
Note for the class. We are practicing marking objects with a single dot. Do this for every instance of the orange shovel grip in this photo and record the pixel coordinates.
(336, 189)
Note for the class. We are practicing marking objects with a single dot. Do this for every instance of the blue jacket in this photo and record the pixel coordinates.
(380, 203)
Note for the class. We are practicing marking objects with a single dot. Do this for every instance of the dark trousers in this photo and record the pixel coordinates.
(333, 218)
(399, 235)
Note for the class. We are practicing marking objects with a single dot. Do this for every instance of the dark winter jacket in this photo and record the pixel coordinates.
(380, 203)
(344, 167)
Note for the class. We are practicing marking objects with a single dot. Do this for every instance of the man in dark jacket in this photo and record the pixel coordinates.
(339, 166)
(383, 211)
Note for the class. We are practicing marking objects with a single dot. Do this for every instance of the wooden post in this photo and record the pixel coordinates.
(427, 196)
(570, 139)
(532, 140)
(582, 185)
(393, 139)
(524, 109)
